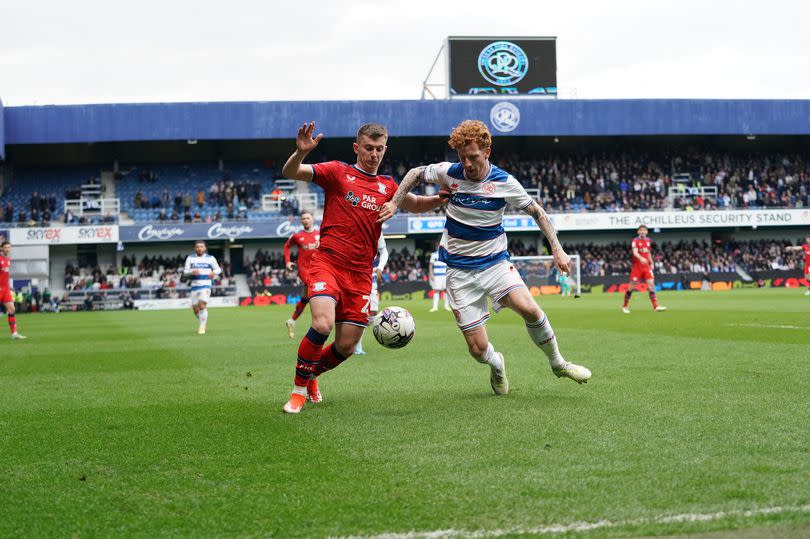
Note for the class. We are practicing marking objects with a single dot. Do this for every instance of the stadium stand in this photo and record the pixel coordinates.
(157, 277)
(200, 192)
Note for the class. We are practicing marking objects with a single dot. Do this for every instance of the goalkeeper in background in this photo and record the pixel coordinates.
(565, 284)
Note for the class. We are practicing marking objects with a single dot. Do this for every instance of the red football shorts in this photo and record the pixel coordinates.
(351, 290)
(5, 296)
(640, 274)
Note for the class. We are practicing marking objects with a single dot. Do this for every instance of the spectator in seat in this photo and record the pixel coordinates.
(175, 217)
(276, 194)
(9, 212)
(162, 217)
(200, 198)
(187, 202)
(52, 203)
(218, 217)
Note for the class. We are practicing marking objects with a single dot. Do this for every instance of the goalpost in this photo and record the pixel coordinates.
(540, 271)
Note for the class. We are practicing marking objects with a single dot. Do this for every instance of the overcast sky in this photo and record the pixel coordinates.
(88, 51)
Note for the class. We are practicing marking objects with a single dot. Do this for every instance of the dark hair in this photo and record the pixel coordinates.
(307, 211)
(642, 226)
(372, 131)
(200, 241)
(5, 243)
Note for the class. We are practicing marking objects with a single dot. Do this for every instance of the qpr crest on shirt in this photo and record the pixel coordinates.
(488, 188)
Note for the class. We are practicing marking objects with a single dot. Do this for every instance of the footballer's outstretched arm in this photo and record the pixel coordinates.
(421, 203)
(294, 168)
(540, 217)
(414, 177)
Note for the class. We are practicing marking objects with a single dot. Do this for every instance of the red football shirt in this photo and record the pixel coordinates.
(644, 249)
(349, 230)
(306, 242)
(806, 249)
(5, 264)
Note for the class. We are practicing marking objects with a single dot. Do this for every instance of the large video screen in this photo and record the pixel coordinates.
(503, 66)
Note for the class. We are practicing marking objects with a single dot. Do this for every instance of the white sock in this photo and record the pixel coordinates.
(300, 390)
(203, 317)
(446, 300)
(543, 336)
(491, 358)
(435, 300)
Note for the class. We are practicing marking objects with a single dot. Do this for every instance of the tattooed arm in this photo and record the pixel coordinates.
(540, 217)
(414, 177)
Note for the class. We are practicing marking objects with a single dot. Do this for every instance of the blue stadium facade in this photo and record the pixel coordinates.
(278, 120)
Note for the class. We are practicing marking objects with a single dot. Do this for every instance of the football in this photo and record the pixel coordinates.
(394, 327)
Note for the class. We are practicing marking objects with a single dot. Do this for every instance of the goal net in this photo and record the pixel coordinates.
(540, 272)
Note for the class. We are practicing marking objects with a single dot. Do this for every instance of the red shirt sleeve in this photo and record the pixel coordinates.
(323, 174)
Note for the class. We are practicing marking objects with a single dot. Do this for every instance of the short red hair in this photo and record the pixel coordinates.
(470, 131)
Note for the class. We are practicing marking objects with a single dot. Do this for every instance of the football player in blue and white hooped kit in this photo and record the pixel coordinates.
(202, 268)
(474, 247)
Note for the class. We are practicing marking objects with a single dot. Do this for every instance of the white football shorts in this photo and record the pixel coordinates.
(468, 292)
(203, 294)
(438, 282)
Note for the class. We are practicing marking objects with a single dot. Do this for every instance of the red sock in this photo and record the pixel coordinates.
(299, 308)
(309, 352)
(627, 297)
(12, 323)
(653, 300)
(330, 358)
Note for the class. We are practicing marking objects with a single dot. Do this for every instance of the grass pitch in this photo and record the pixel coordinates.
(128, 424)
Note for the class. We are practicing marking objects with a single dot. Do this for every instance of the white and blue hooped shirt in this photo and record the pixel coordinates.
(473, 237)
(204, 262)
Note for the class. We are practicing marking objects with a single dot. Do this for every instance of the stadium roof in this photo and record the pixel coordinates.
(520, 117)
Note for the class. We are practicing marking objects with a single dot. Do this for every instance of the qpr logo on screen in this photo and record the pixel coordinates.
(503, 63)
(504, 117)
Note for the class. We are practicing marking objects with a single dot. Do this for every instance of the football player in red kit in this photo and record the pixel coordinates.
(642, 270)
(339, 286)
(6, 296)
(806, 250)
(306, 241)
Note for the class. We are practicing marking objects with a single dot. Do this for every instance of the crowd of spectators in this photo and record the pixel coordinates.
(636, 180)
(641, 180)
(229, 200)
(690, 257)
(268, 269)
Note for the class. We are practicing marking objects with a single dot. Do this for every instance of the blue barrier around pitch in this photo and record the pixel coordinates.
(274, 120)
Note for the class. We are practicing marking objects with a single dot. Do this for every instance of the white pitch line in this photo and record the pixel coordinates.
(775, 326)
(584, 526)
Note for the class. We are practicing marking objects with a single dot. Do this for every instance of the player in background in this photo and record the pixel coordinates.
(306, 241)
(642, 270)
(437, 277)
(474, 246)
(202, 268)
(6, 294)
(565, 284)
(340, 274)
(376, 278)
(806, 249)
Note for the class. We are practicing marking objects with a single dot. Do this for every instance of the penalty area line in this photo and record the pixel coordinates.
(585, 526)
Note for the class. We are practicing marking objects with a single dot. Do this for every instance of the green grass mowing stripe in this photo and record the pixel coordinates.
(683, 420)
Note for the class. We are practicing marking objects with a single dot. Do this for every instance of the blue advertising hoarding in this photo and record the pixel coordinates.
(277, 228)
